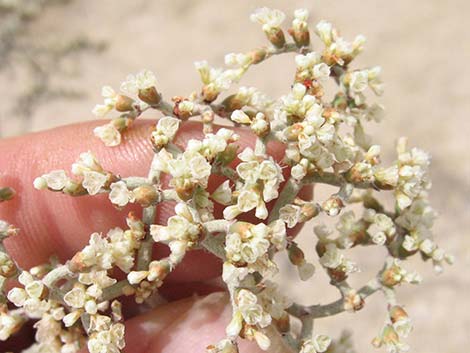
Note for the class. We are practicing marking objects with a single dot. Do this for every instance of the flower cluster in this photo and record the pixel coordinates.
(237, 200)
(247, 246)
(261, 177)
(143, 85)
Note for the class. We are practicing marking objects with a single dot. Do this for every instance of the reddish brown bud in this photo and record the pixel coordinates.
(146, 195)
(150, 96)
(124, 103)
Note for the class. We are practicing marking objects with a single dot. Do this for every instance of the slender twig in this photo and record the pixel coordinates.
(333, 308)
(288, 194)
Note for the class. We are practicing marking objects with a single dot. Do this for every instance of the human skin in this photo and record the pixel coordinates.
(57, 224)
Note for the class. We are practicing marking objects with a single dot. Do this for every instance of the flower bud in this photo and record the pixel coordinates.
(301, 36)
(124, 103)
(183, 108)
(333, 205)
(389, 277)
(260, 125)
(145, 195)
(276, 37)
(257, 55)
(389, 336)
(158, 270)
(7, 266)
(292, 132)
(386, 178)
(232, 103)
(209, 93)
(150, 95)
(360, 172)
(207, 117)
(283, 323)
(397, 313)
(135, 277)
(337, 274)
(6, 194)
(296, 255)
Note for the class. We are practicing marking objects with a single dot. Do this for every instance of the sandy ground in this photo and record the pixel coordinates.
(422, 46)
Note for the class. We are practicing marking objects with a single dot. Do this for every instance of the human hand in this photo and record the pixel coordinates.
(57, 224)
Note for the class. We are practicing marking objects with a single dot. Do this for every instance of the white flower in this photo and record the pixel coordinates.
(299, 171)
(135, 277)
(387, 176)
(409, 244)
(224, 346)
(332, 258)
(252, 244)
(75, 298)
(186, 107)
(232, 275)
(179, 227)
(56, 180)
(321, 343)
(307, 61)
(142, 80)
(359, 81)
(321, 71)
(379, 238)
(403, 327)
(251, 311)
(166, 129)
(300, 20)
(255, 170)
(223, 193)
(110, 97)
(123, 246)
(413, 178)
(188, 170)
(375, 82)
(325, 30)
(237, 60)
(278, 234)
(120, 195)
(87, 162)
(93, 181)
(427, 246)
(216, 80)
(239, 116)
(290, 214)
(108, 134)
(100, 110)
(17, 296)
(31, 297)
(318, 344)
(110, 340)
(269, 18)
(10, 323)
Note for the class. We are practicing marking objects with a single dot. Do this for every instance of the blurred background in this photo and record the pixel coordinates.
(56, 54)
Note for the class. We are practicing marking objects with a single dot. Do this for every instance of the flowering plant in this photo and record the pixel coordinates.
(324, 143)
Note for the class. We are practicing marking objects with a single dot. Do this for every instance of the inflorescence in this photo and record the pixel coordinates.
(77, 303)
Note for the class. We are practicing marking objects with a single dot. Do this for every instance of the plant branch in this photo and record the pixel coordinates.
(288, 194)
(333, 308)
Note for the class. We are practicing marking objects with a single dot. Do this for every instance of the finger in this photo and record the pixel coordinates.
(57, 224)
(188, 325)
